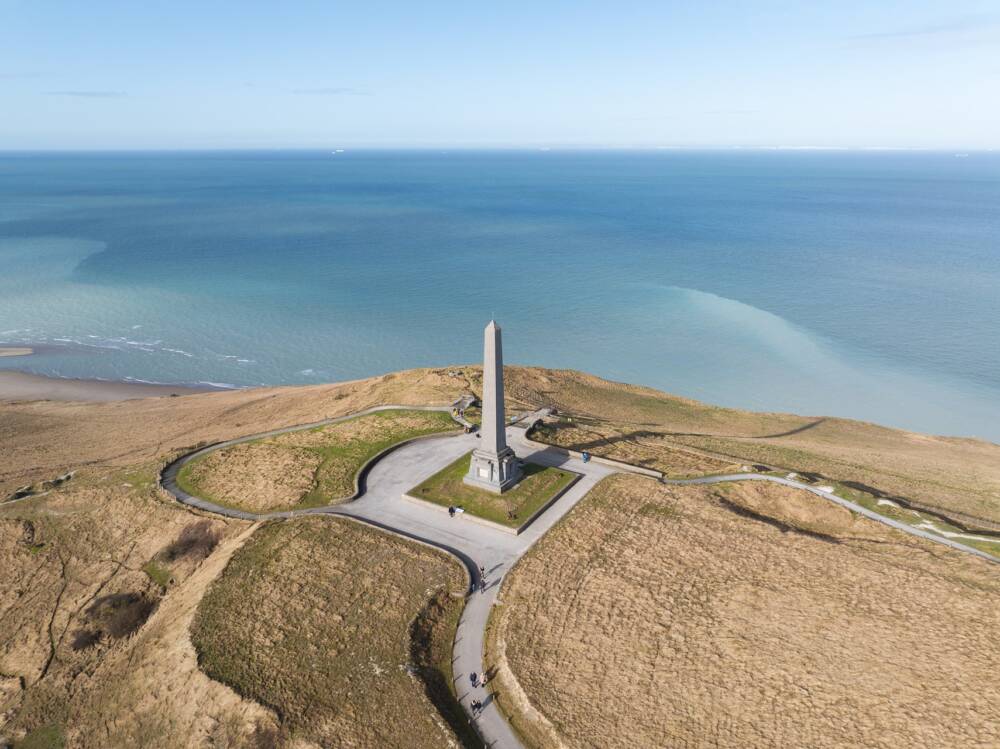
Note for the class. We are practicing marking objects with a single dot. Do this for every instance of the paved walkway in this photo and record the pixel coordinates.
(379, 502)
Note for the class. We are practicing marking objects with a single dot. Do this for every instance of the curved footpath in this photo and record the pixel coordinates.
(379, 502)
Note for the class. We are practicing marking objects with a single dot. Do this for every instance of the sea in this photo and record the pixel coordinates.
(857, 284)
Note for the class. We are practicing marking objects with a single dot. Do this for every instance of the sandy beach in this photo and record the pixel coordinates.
(15, 351)
(25, 386)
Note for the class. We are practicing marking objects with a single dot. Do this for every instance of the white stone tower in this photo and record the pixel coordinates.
(494, 466)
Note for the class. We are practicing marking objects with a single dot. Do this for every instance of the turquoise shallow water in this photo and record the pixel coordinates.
(863, 285)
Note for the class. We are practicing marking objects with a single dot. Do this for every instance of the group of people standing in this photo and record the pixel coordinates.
(477, 681)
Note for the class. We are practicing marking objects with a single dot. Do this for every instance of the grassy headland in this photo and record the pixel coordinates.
(956, 476)
(695, 610)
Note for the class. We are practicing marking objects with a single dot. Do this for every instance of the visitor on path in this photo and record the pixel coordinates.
(474, 679)
(482, 572)
(451, 511)
(477, 706)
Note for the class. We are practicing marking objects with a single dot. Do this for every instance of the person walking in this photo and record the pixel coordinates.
(474, 679)
(451, 511)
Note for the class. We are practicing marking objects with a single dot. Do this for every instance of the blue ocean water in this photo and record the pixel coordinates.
(855, 284)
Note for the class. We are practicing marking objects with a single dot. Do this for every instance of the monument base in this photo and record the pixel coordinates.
(493, 472)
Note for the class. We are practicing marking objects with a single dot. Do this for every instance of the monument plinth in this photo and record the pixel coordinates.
(494, 466)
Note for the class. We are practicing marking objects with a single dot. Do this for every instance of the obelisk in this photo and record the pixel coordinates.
(494, 466)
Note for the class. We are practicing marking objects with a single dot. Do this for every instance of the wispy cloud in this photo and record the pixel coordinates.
(90, 94)
(331, 91)
(975, 23)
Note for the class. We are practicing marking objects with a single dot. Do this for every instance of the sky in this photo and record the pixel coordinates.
(577, 74)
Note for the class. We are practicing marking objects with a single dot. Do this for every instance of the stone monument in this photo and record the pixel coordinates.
(494, 466)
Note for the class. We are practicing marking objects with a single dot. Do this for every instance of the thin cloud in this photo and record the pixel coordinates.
(90, 94)
(330, 91)
(958, 26)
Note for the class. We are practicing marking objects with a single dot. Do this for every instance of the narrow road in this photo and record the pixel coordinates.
(379, 502)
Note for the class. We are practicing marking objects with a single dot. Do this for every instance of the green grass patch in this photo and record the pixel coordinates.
(512, 508)
(342, 454)
(158, 573)
(46, 737)
(330, 477)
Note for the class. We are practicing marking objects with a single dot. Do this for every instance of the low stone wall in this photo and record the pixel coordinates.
(617, 464)
(497, 526)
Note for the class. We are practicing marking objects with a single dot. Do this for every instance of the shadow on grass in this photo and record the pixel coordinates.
(774, 522)
(430, 647)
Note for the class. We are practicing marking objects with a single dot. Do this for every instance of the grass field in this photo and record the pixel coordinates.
(108, 531)
(955, 476)
(92, 579)
(649, 450)
(743, 615)
(344, 631)
(512, 508)
(308, 468)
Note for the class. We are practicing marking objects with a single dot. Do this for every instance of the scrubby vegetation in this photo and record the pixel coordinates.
(328, 622)
(195, 541)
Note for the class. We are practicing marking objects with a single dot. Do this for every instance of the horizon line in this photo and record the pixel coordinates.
(342, 149)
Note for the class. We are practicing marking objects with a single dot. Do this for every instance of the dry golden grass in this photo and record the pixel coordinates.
(74, 603)
(745, 615)
(255, 476)
(316, 618)
(94, 536)
(305, 468)
(42, 439)
(959, 477)
(651, 450)
(104, 535)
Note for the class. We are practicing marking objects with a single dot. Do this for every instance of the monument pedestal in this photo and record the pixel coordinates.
(494, 472)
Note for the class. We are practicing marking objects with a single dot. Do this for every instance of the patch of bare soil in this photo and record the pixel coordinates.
(316, 618)
(744, 615)
(256, 476)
